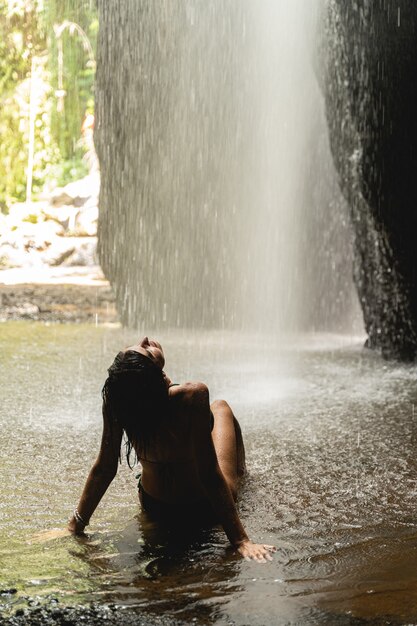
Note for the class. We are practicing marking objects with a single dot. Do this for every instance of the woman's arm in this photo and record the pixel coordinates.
(216, 487)
(100, 476)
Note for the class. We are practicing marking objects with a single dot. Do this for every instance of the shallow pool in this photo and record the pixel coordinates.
(330, 431)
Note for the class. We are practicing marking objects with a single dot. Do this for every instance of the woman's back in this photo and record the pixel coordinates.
(169, 470)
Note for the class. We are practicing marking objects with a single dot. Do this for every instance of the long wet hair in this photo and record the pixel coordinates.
(135, 397)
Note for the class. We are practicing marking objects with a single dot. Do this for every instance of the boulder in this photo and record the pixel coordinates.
(60, 198)
(77, 192)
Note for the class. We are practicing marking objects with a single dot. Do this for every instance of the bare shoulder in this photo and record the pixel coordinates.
(193, 393)
(195, 405)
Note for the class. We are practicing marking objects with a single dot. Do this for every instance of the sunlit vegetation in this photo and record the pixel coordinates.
(47, 50)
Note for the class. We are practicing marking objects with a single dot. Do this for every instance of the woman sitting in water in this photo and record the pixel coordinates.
(191, 452)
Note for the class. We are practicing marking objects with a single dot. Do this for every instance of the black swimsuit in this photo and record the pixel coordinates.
(199, 511)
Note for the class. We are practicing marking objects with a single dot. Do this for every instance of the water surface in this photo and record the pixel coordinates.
(330, 431)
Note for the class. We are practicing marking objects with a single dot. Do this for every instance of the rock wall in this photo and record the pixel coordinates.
(371, 97)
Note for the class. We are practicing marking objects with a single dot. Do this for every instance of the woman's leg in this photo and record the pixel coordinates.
(228, 443)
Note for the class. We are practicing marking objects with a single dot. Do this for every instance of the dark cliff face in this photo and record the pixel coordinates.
(371, 100)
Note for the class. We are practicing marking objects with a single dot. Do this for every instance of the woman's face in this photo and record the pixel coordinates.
(151, 349)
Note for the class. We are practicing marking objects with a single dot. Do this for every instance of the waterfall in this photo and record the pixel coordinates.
(219, 202)
(286, 126)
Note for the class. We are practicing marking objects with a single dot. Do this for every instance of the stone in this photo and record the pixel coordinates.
(83, 255)
(64, 216)
(62, 257)
(60, 198)
(60, 250)
(77, 192)
(371, 99)
(86, 221)
(26, 310)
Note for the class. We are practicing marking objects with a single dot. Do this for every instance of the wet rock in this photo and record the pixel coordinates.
(91, 615)
(371, 100)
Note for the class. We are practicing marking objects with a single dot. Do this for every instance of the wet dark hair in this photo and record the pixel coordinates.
(135, 396)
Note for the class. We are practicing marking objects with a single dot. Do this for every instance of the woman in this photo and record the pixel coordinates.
(191, 453)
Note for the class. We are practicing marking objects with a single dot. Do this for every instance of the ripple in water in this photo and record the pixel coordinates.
(332, 483)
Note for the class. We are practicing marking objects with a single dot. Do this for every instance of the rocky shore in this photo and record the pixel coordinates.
(91, 615)
(48, 264)
(57, 302)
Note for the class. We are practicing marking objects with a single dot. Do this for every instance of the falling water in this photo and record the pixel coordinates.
(284, 192)
(219, 205)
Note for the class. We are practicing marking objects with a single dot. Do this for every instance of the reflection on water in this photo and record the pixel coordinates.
(186, 573)
(330, 435)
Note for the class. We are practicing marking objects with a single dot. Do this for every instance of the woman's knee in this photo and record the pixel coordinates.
(220, 405)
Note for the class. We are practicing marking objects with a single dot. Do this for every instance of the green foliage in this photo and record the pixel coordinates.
(31, 33)
(63, 172)
(77, 70)
(20, 37)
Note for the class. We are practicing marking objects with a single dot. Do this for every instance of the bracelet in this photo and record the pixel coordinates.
(78, 518)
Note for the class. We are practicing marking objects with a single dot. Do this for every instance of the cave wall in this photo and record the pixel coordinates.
(371, 100)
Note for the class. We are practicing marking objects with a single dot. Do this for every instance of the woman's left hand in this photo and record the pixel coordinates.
(259, 552)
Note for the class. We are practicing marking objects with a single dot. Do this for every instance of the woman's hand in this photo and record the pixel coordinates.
(256, 551)
(75, 527)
